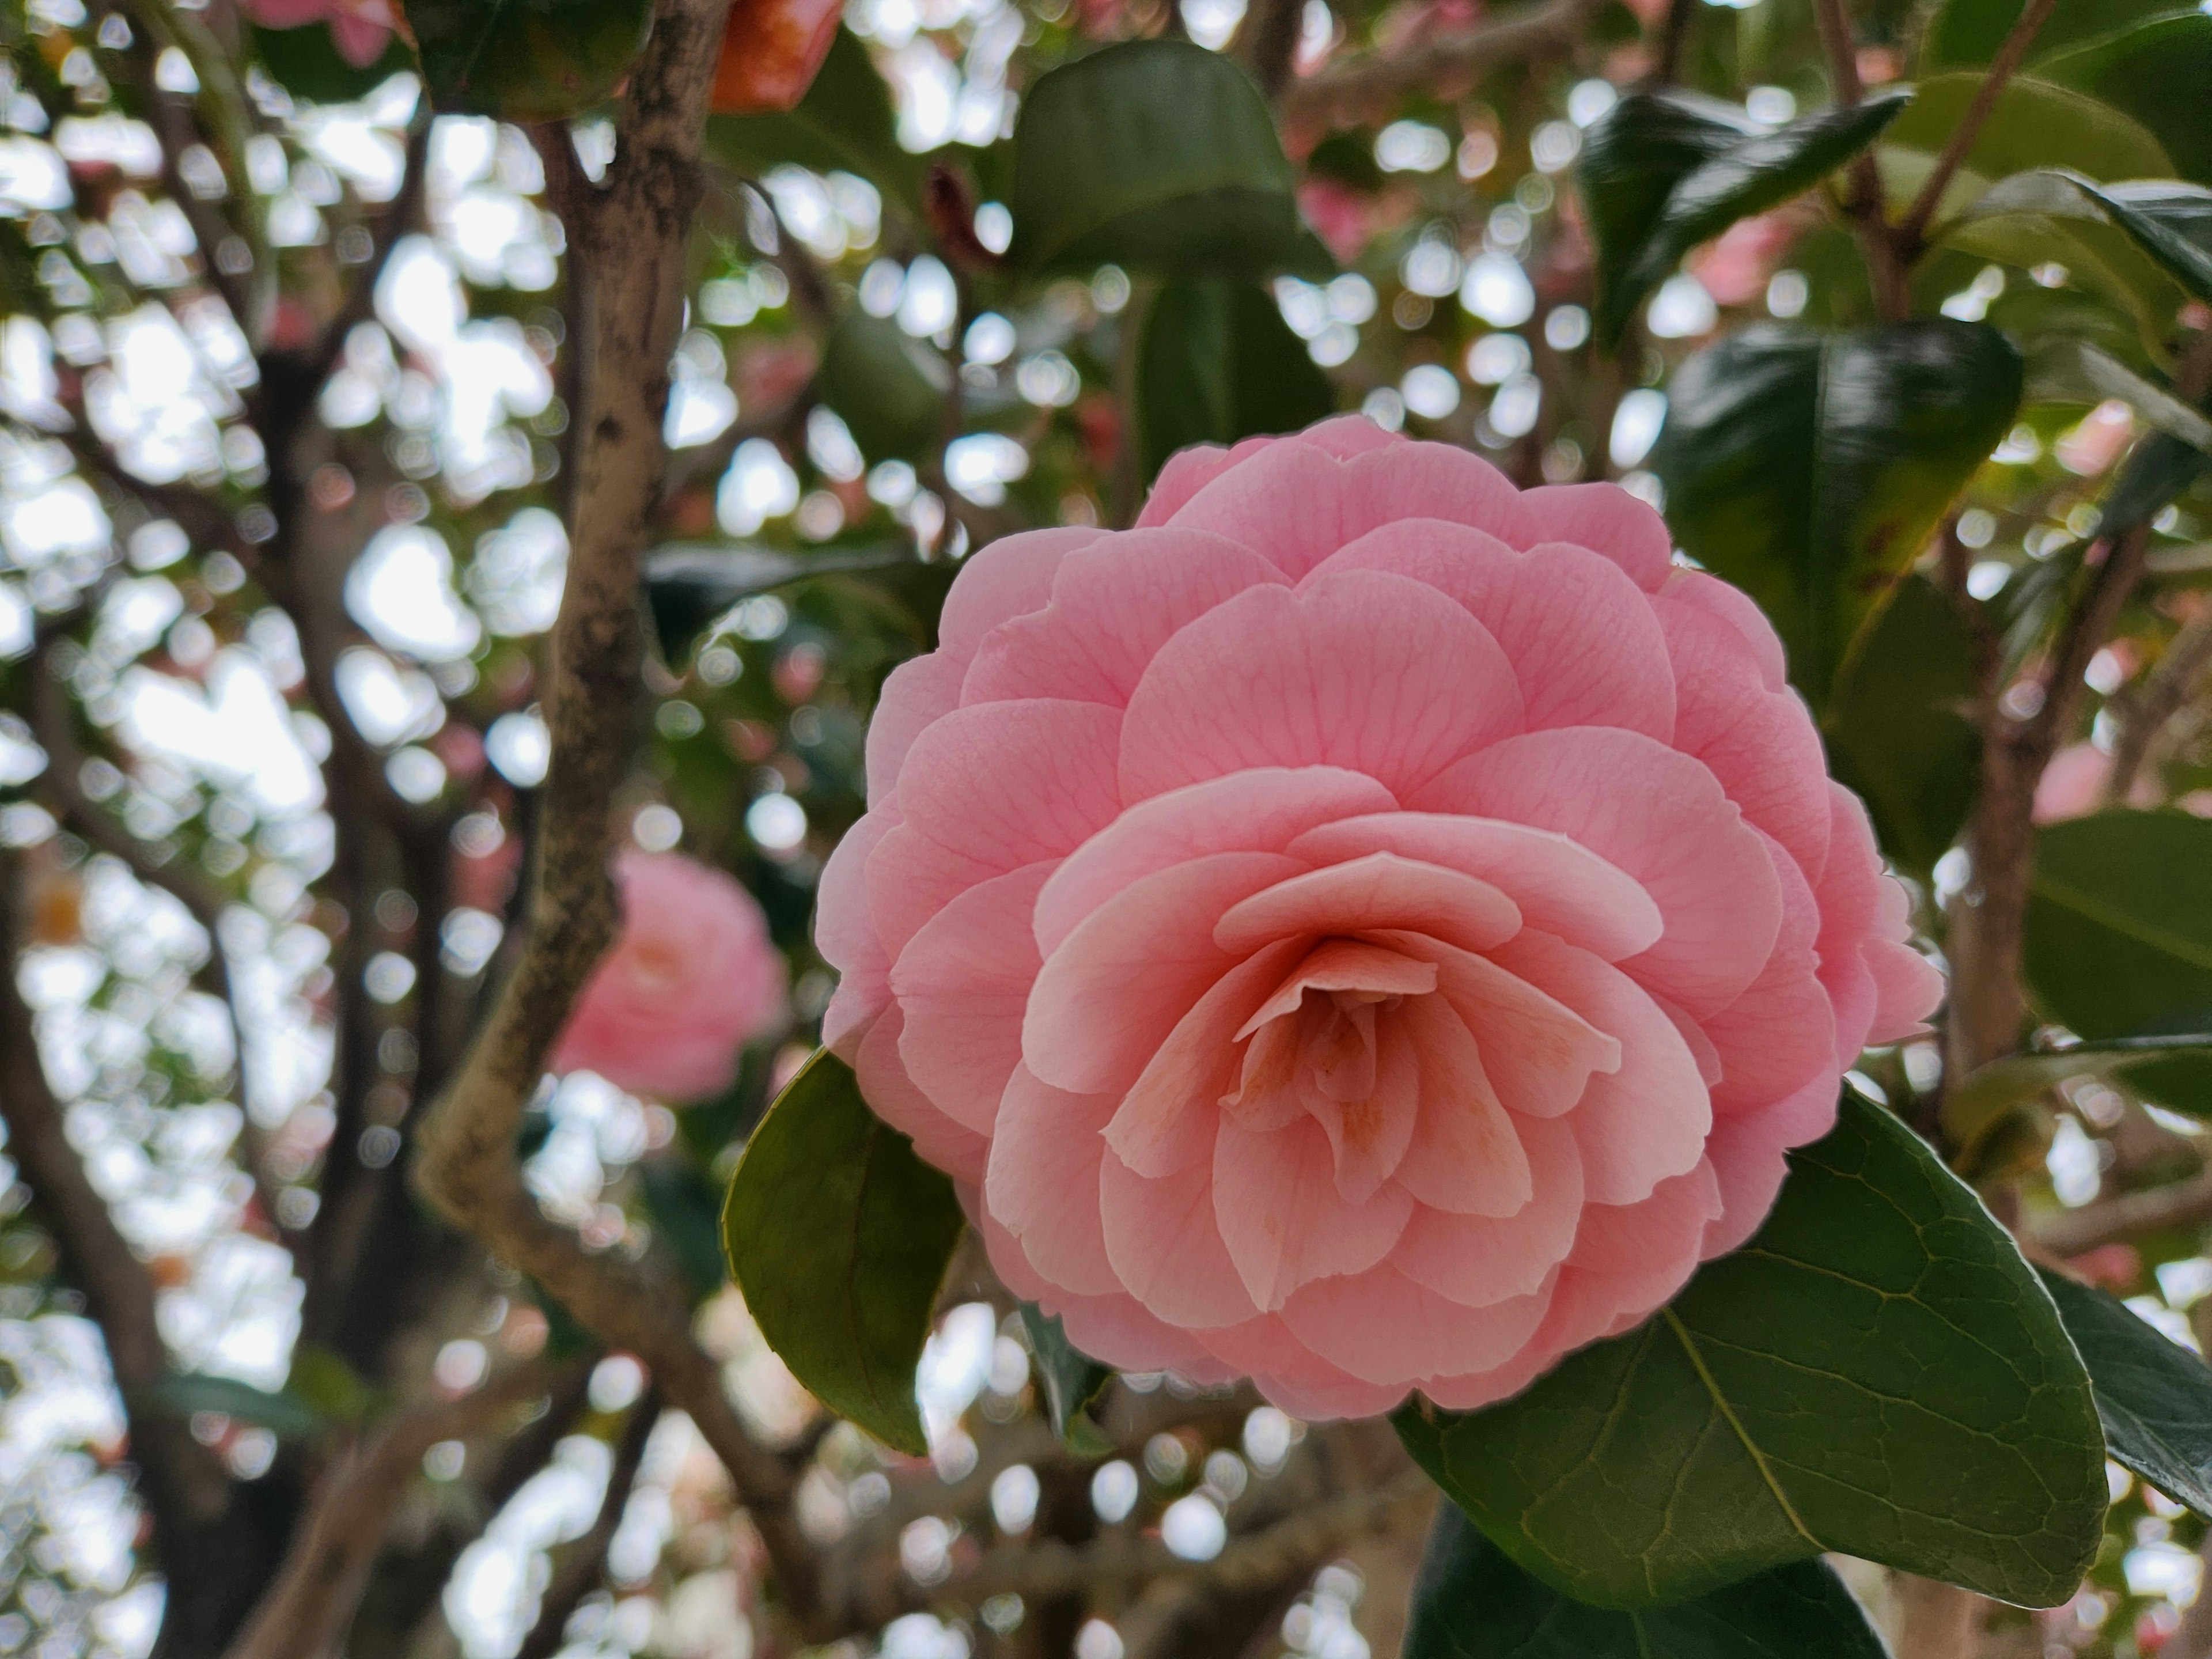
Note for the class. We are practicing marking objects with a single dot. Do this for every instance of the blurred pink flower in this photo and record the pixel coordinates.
(1366, 928)
(361, 29)
(691, 979)
(1344, 218)
(2091, 446)
(1737, 264)
(2078, 780)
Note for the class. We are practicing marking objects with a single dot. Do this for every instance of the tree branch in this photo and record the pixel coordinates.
(1349, 93)
(585, 1562)
(1914, 228)
(2071, 1232)
(630, 238)
(2180, 666)
(306, 1610)
(1863, 203)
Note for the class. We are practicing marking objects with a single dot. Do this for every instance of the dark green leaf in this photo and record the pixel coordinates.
(2034, 124)
(1877, 1372)
(1809, 469)
(1975, 1102)
(1898, 730)
(1156, 154)
(1662, 172)
(306, 61)
(321, 1381)
(888, 387)
(2119, 937)
(2073, 371)
(2169, 221)
(1472, 1602)
(839, 1236)
(526, 60)
(2154, 1396)
(689, 589)
(1073, 1379)
(2158, 469)
(186, 1393)
(1219, 363)
(844, 123)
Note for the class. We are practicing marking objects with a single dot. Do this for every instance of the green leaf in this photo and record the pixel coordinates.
(845, 123)
(2158, 469)
(2170, 222)
(2033, 125)
(1976, 1102)
(1662, 172)
(1073, 1379)
(888, 387)
(689, 589)
(2073, 371)
(306, 61)
(1898, 730)
(326, 1385)
(1809, 469)
(1159, 156)
(186, 1393)
(526, 60)
(2154, 1396)
(2119, 937)
(1877, 1372)
(839, 1236)
(1472, 1602)
(1217, 363)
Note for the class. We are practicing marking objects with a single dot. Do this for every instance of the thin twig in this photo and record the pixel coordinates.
(1673, 36)
(1862, 201)
(585, 1561)
(306, 1610)
(2146, 715)
(1347, 94)
(2071, 1232)
(1914, 228)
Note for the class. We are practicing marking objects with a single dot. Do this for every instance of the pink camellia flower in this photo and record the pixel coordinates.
(691, 979)
(361, 29)
(1367, 928)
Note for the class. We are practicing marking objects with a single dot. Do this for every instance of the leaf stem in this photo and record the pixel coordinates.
(1910, 235)
(1862, 203)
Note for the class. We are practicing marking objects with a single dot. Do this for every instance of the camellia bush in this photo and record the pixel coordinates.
(1117, 829)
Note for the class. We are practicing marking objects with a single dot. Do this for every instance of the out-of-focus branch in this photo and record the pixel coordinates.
(2145, 714)
(1349, 93)
(2111, 1221)
(1913, 227)
(1268, 43)
(305, 1613)
(1674, 35)
(1862, 201)
(630, 238)
(585, 1561)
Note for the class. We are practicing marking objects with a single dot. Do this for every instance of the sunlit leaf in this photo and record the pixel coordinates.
(1876, 1372)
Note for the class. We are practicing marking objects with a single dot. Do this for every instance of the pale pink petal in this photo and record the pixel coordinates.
(1045, 1153)
(1738, 609)
(1781, 1033)
(1370, 672)
(1582, 640)
(1148, 955)
(1165, 1121)
(1657, 815)
(1648, 1120)
(964, 981)
(1631, 1258)
(1282, 1217)
(1559, 885)
(1466, 1155)
(1260, 810)
(1538, 1053)
(1608, 521)
(360, 41)
(918, 693)
(1759, 742)
(1284, 502)
(1344, 964)
(1293, 1377)
(1379, 891)
(1429, 481)
(1381, 1326)
(1166, 1246)
(1010, 578)
(1746, 1151)
(1187, 472)
(1346, 436)
(1369, 1134)
(956, 1150)
(1476, 1259)
(1114, 604)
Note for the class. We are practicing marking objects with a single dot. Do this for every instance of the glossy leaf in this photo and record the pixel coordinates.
(1662, 172)
(1876, 1372)
(2158, 469)
(1217, 363)
(2154, 1396)
(2073, 371)
(1809, 469)
(306, 63)
(689, 589)
(2119, 937)
(526, 60)
(888, 387)
(1976, 1102)
(2170, 222)
(1073, 1379)
(845, 121)
(1156, 154)
(839, 1236)
(1471, 1601)
(1897, 729)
